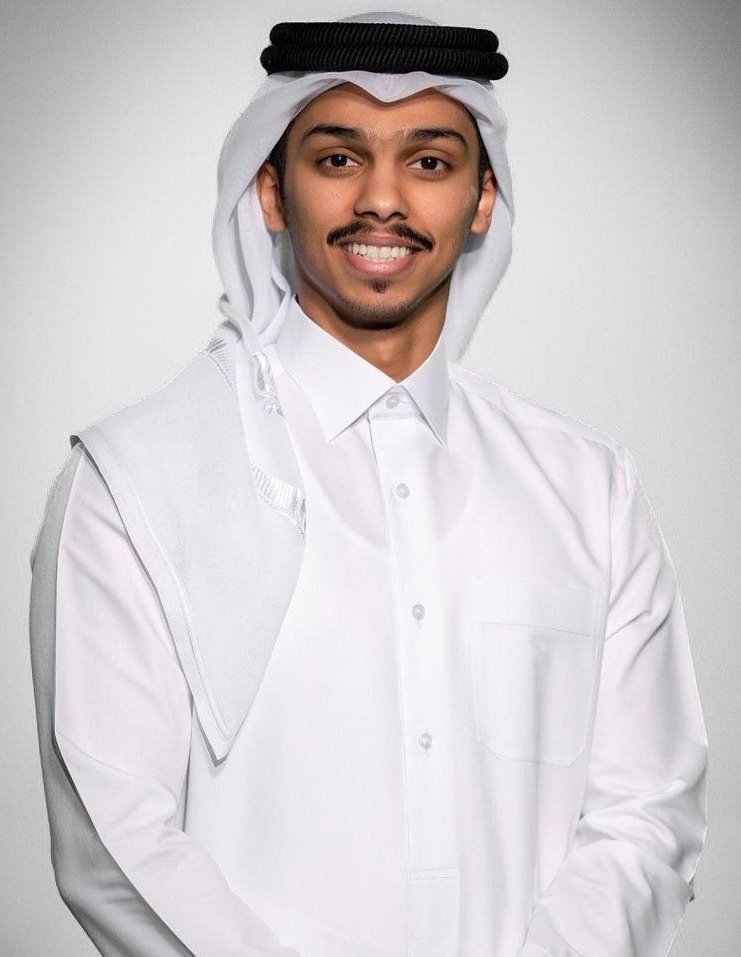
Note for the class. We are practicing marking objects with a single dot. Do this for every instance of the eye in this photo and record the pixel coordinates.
(433, 159)
(344, 161)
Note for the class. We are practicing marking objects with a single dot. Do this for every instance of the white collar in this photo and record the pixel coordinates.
(341, 385)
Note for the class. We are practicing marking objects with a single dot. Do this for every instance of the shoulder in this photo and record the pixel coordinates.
(77, 503)
(78, 507)
(203, 388)
(91, 510)
(529, 416)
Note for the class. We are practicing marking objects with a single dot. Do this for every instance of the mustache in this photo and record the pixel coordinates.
(400, 229)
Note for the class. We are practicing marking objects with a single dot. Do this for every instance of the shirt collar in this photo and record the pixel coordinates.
(341, 385)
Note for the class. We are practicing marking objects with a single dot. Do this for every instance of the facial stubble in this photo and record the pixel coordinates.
(361, 315)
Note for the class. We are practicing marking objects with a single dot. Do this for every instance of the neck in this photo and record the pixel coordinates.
(397, 345)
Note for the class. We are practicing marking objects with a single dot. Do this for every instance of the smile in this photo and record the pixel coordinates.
(385, 260)
(379, 252)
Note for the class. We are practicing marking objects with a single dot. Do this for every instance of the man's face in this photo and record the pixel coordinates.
(379, 200)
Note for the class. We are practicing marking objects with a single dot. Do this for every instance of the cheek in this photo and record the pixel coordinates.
(448, 211)
(314, 214)
(453, 221)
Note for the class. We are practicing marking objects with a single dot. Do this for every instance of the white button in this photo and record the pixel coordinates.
(425, 741)
(402, 490)
(392, 401)
(418, 611)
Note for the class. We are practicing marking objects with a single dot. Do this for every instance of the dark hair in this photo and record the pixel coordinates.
(278, 157)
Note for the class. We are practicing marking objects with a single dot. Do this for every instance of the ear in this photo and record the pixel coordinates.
(482, 217)
(268, 193)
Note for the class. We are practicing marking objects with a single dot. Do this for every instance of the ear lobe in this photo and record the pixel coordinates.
(268, 193)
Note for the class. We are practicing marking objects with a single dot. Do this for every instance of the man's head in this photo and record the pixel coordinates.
(386, 59)
(350, 170)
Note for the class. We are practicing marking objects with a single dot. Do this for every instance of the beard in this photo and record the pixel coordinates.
(359, 314)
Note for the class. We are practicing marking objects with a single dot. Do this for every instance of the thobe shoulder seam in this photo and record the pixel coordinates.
(567, 423)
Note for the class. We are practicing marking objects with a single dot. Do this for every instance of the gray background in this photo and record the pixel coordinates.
(620, 307)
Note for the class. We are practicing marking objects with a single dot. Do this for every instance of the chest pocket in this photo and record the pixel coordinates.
(534, 655)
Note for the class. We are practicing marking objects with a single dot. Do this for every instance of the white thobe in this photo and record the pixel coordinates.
(479, 732)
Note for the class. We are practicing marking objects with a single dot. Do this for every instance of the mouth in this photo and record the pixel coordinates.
(379, 259)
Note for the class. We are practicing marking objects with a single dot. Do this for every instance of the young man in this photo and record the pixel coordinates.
(340, 649)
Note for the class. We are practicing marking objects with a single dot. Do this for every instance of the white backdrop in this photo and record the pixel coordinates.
(620, 308)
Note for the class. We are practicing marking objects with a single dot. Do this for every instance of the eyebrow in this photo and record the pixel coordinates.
(405, 136)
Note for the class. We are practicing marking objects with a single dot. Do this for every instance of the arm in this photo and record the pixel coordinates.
(623, 888)
(114, 720)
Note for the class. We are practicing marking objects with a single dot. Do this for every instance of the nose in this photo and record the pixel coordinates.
(380, 193)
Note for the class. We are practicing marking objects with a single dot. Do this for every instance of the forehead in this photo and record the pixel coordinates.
(350, 105)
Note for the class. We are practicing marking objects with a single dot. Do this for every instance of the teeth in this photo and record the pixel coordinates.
(379, 252)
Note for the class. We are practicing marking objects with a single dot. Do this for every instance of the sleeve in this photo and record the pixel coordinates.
(114, 722)
(623, 888)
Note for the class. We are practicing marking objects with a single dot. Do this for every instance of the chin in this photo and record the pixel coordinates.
(383, 303)
(375, 313)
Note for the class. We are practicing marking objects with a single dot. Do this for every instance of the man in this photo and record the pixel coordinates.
(339, 648)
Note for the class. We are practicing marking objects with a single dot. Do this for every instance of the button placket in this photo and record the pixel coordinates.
(428, 767)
